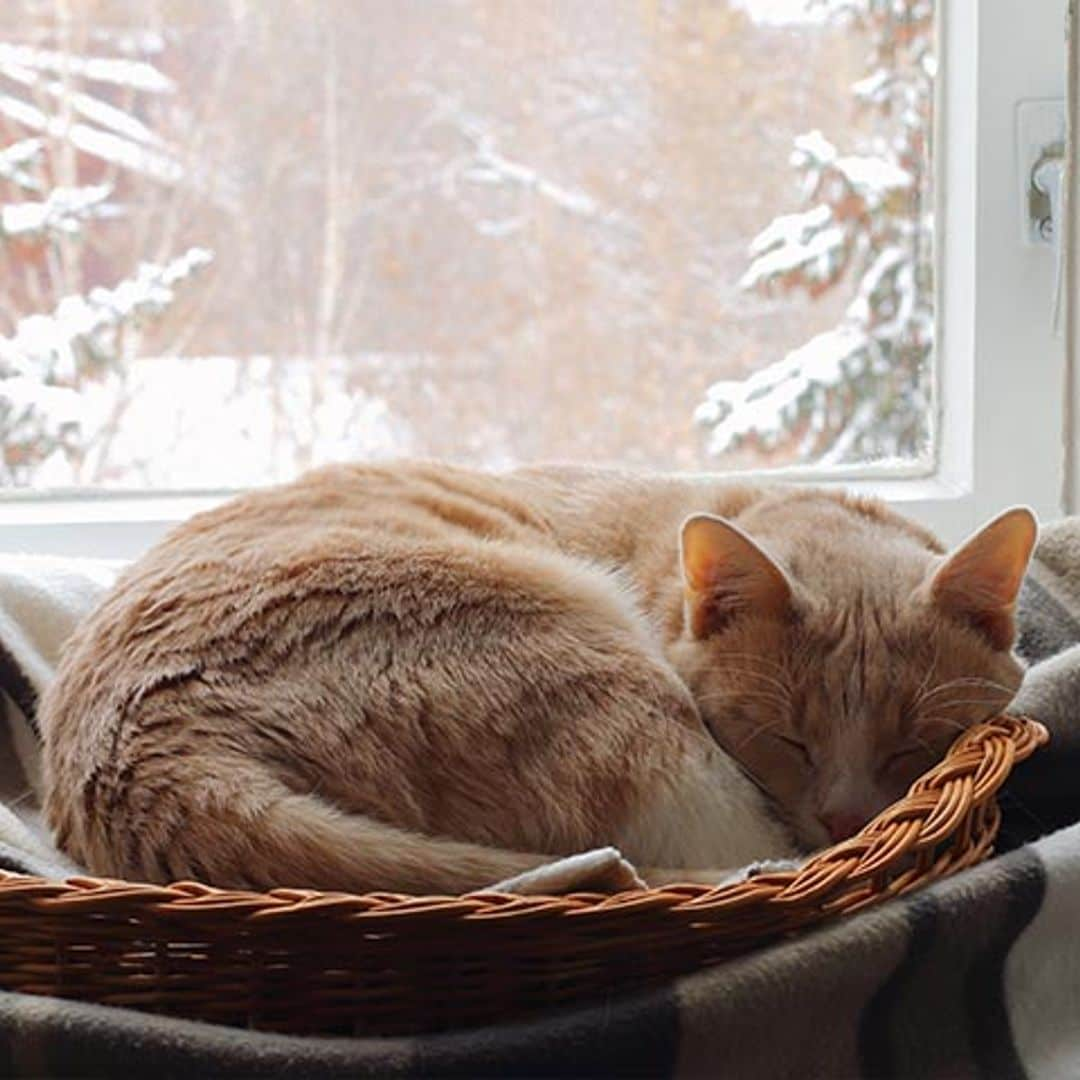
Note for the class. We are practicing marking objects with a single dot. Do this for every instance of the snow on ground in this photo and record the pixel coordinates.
(782, 12)
(239, 421)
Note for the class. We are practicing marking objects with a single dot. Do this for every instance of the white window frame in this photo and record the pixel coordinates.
(1001, 418)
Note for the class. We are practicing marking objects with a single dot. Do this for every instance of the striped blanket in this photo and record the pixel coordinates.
(977, 976)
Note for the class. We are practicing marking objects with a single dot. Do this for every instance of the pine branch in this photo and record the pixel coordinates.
(861, 391)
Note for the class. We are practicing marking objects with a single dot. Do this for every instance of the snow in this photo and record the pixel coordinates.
(489, 166)
(108, 116)
(872, 177)
(783, 12)
(813, 147)
(791, 229)
(63, 211)
(103, 130)
(193, 417)
(46, 402)
(94, 141)
(15, 158)
(118, 72)
(129, 41)
(493, 167)
(48, 346)
(887, 262)
(875, 87)
(22, 395)
(817, 256)
(763, 404)
(63, 374)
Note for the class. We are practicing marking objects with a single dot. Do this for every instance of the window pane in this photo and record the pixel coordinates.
(241, 238)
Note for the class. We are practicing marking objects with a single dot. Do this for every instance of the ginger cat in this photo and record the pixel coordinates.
(426, 679)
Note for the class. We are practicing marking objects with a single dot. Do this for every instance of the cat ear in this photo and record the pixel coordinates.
(726, 573)
(979, 582)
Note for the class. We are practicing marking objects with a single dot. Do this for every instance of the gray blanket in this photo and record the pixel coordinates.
(976, 976)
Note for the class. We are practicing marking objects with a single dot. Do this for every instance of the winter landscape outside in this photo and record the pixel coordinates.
(240, 238)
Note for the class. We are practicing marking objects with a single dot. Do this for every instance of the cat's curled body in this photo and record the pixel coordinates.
(419, 678)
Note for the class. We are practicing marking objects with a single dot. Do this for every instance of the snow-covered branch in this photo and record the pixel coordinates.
(91, 140)
(14, 162)
(63, 371)
(488, 165)
(871, 178)
(63, 211)
(135, 74)
(766, 405)
(44, 410)
(95, 126)
(809, 242)
(82, 329)
(862, 390)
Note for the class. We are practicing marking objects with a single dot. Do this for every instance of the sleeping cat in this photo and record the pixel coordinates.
(426, 679)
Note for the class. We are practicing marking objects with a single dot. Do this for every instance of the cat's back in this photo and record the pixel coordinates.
(245, 577)
(351, 630)
(408, 500)
(341, 528)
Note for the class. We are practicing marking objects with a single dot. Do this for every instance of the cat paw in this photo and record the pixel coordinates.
(719, 878)
(600, 870)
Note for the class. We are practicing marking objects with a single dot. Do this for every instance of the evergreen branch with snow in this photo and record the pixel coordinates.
(81, 333)
(861, 391)
(64, 210)
(63, 372)
(47, 360)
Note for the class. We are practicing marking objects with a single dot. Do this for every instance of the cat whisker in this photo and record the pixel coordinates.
(742, 695)
(769, 680)
(962, 683)
(990, 684)
(929, 672)
(989, 702)
(743, 743)
(757, 658)
(955, 724)
(926, 746)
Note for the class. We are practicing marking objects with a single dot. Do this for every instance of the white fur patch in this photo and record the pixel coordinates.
(599, 870)
(710, 817)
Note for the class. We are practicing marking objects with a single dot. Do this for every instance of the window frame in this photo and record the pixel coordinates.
(991, 57)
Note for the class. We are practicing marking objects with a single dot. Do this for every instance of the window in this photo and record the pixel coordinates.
(242, 238)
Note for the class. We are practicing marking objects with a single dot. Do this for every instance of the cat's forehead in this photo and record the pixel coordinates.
(863, 574)
(882, 618)
(881, 644)
(844, 550)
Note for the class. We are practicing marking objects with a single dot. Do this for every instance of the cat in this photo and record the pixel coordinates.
(425, 679)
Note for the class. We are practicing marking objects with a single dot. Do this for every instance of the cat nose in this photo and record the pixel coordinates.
(841, 825)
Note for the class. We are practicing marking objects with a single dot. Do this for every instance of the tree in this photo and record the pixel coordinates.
(63, 365)
(861, 391)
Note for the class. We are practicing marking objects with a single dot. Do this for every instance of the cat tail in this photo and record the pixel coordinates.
(270, 836)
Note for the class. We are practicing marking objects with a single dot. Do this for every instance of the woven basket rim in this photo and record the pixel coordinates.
(913, 823)
(123, 942)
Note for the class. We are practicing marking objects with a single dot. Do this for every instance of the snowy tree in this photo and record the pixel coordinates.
(862, 390)
(62, 366)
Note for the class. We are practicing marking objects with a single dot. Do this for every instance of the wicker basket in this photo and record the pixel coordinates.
(302, 961)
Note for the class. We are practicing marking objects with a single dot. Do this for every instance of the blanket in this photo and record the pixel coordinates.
(978, 975)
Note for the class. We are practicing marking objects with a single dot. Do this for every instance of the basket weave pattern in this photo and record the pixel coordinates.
(303, 961)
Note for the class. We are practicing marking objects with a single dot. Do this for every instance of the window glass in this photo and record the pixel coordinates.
(241, 238)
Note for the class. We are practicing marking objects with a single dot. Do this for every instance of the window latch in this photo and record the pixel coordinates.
(1048, 189)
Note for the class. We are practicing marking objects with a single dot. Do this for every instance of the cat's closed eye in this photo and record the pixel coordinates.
(903, 757)
(904, 764)
(796, 746)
